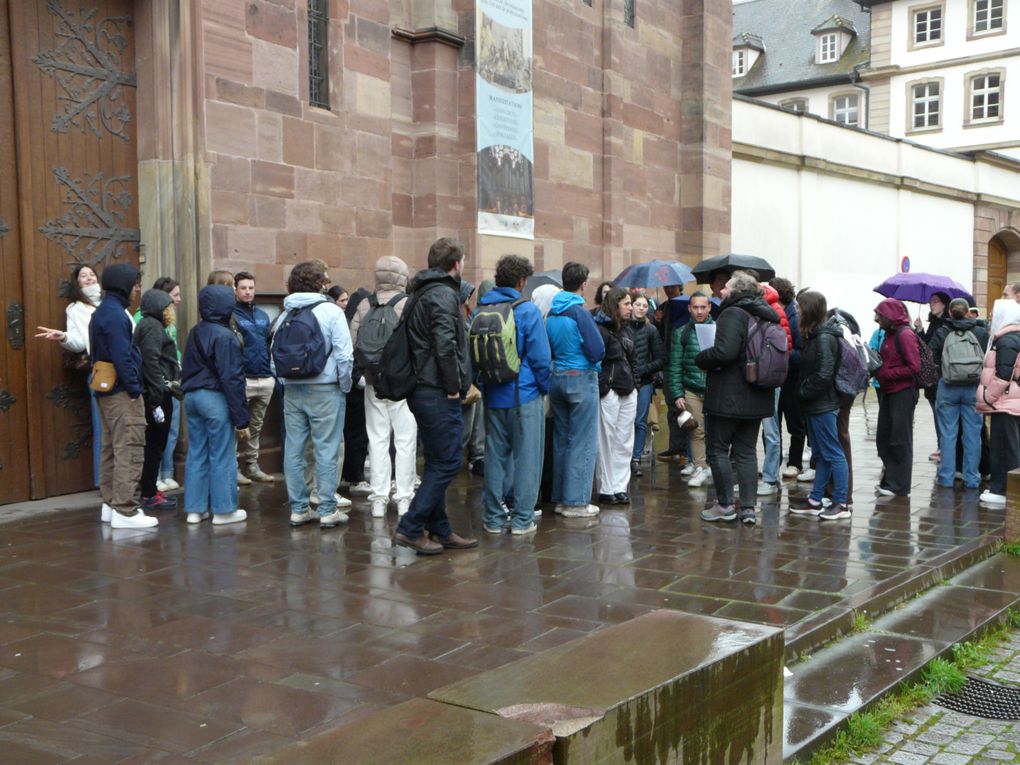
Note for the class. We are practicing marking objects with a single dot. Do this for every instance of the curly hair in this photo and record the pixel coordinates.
(309, 276)
(510, 269)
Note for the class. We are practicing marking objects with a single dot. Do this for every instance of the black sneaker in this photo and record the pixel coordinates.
(607, 499)
(834, 512)
(635, 468)
(477, 468)
(806, 507)
(159, 501)
(621, 498)
(747, 515)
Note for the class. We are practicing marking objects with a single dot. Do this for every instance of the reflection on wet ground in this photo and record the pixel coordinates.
(216, 644)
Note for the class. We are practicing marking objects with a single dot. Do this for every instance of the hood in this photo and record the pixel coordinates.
(963, 325)
(893, 310)
(1004, 312)
(830, 326)
(302, 299)
(485, 287)
(216, 303)
(603, 318)
(754, 305)
(430, 275)
(154, 302)
(390, 274)
(499, 295)
(565, 300)
(771, 295)
(543, 296)
(467, 289)
(120, 278)
(847, 317)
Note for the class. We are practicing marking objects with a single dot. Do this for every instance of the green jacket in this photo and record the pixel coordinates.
(683, 372)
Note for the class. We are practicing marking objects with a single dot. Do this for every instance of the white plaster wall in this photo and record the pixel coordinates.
(954, 33)
(818, 98)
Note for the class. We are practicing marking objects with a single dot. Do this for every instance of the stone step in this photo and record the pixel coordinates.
(836, 681)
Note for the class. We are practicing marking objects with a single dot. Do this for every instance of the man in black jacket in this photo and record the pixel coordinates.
(438, 346)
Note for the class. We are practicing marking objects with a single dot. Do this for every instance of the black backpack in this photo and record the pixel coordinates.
(376, 329)
(396, 377)
(298, 347)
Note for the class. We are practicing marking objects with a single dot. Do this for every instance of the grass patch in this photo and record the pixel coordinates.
(1011, 548)
(862, 622)
(864, 731)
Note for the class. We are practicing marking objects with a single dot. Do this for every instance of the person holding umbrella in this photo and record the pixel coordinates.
(938, 315)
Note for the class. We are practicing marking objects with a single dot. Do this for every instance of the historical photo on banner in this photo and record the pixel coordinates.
(506, 189)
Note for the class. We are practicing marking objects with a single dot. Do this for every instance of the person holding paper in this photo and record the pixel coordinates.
(686, 381)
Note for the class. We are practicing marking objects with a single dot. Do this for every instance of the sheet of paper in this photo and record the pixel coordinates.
(706, 335)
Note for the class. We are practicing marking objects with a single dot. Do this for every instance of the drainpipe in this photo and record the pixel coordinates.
(856, 82)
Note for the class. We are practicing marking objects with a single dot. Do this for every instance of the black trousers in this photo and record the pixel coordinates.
(731, 442)
(156, 434)
(1004, 447)
(789, 410)
(355, 437)
(895, 437)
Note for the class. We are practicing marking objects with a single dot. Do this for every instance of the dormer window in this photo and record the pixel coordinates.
(739, 63)
(828, 48)
(834, 36)
(746, 50)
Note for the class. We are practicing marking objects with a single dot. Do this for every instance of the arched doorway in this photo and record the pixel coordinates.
(1003, 262)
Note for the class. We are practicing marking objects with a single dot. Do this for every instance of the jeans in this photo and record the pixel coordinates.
(514, 439)
(440, 425)
(733, 442)
(644, 401)
(616, 429)
(312, 411)
(895, 438)
(97, 436)
(211, 464)
(830, 460)
(166, 466)
(773, 437)
(1004, 445)
(575, 405)
(955, 411)
(155, 442)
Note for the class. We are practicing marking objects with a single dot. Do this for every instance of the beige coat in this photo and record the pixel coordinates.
(390, 280)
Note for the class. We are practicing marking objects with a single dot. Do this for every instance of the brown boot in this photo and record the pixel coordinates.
(422, 545)
(456, 542)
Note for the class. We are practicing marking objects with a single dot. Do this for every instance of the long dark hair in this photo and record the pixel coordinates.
(74, 292)
(813, 310)
(611, 305)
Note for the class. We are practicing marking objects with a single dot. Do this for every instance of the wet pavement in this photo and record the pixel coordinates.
(203, 644)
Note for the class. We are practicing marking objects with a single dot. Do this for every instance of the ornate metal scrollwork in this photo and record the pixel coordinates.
(87, 65)
(91, 229)
(7, 400)
(76, 401)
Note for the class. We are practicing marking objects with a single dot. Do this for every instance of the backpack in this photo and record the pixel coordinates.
(851, 371)
(396, 377)
(298, 347)
(376, 329)
(962, 358)
(492, 339)
(929, 374)
(767, 358)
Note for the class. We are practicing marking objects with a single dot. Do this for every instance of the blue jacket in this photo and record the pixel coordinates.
(111, 330)
(253, 324)
(212, 357)
(573, 337)
(333, 323)
(532, 347)
(793, 320)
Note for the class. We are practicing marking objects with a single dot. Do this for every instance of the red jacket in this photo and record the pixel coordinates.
(772, 298)
(898, 371)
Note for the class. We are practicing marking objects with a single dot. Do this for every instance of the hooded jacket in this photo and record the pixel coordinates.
(793, 320)
(998, 392)
(333, 325)
(111, 329)
(436, 333)
(532, 347)
(390, 281)
(819, 361)
(617, 372)
(212, 356)
(573, 337)
(649, 358)
(157, 349)
(938, 340)
(898, 372)
(727, 392)
(684, 375)
(772, 298)
(253, 325)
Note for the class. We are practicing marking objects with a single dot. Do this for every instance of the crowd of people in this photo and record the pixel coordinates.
(552, 400)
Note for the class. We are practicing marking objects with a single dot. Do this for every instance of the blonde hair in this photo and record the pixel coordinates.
(221, 277)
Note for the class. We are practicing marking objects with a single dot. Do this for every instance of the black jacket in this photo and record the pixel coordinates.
(159, 354)
(617, 373)
(727, 392)
(649, 357)
(818, 363)
(938, 340)
(1007, 348)
(435, 332)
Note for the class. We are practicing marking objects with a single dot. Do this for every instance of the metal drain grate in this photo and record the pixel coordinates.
(984, 698)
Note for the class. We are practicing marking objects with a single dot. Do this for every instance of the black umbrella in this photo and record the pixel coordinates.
(553, 277)
(707, 268)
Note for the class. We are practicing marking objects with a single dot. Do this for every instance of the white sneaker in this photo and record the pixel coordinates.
(379, 509)
(698, 477)
(807, 476)
(332, 519)
(363, 488)
(137, 521)
(766, 489)
(528, 530)
(300, 519)
(197, 517)
(989, 498)
(222, 519)
(417, 481)
(170, 484)
(578, 511)
(313, 500)
(341, 501)
(402, 507)
(884, 492)
(537, 512)
(161, 486)
(688, 470)
(105, 513)
(791, 471)
(242, 479)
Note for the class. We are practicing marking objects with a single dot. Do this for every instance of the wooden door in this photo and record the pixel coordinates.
(74, 118)
(997, 272)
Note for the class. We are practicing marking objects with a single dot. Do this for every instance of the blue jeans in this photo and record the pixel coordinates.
(441, 427)
(830, 460)
(166, 466)
(211, 464)
(644, 401)
(575, 404)
(97, 435)
(955, 411)
(316, 411)
(514, 440)
(773, 437)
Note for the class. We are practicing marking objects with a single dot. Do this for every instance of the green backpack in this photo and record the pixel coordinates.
(492, 338)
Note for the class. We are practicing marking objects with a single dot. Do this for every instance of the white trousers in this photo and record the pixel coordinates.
(616, 441)
(381, 418)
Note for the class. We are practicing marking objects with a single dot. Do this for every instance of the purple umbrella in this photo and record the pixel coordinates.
(917, 287)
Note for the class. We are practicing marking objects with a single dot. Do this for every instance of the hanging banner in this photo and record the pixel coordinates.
(504, 108)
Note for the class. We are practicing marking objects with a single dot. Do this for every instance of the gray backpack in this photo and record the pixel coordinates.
(962, 358)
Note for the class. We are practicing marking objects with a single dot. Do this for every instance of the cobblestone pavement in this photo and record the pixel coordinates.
(937, 736)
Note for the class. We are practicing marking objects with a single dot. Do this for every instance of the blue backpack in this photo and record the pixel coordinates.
(299, 348)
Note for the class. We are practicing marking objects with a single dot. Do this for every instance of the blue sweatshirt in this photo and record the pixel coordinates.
(532, 347)
(253, 324)
(111, 330)
(573, 337)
